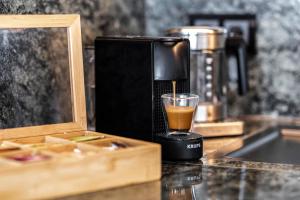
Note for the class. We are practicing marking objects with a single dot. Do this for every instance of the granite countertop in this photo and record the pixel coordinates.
(215, 177)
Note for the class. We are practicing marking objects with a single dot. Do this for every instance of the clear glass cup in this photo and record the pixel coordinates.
(179, 111)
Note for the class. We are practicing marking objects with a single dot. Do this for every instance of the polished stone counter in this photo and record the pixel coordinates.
(230, 182)
(215, 177)
(197, 181)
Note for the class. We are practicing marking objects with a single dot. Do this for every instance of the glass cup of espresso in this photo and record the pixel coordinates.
(179, 111)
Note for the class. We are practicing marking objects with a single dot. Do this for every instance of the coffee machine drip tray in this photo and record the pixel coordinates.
(228, 127)
(181, 146)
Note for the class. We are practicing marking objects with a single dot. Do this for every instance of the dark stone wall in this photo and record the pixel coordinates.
(34, 80)
(274, 72)
(98, 17)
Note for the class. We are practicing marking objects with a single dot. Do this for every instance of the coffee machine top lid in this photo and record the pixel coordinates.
(201, 37)
(140, 38)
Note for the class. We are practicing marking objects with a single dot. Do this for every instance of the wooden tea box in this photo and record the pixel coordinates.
(59, 159)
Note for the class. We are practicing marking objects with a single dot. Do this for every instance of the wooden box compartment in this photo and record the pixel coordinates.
(27, 156)
(6, 147)
(72, 149)
(36, 142)
(113, 144)
(63, 171)
(81, 136)
(59, 159)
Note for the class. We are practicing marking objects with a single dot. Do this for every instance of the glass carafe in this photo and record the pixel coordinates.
(208, 80)
(208, 72)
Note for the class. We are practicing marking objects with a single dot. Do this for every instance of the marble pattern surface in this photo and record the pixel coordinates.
(34, 80)
(198, 181)
(219, 182)
(274, 73)
(98, 17)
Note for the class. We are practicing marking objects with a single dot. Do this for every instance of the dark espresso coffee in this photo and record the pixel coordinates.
(179, 117)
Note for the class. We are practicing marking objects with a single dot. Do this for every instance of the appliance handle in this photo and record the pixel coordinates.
(241, 58)
(236, 46)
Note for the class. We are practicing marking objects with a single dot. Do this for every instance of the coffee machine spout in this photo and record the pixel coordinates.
(169, 63)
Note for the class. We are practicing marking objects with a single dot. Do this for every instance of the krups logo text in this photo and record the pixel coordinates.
(193, 178)
(193, 146)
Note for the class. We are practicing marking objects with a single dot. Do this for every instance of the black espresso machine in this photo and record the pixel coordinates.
(131, 74)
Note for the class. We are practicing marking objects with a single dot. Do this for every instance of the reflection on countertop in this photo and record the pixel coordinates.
(197, 181)
(235, 182)
(215, 177)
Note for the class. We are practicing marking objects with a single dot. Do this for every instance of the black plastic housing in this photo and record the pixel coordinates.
(131, 75)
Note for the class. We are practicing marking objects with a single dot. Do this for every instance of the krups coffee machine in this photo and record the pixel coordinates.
(131, 75)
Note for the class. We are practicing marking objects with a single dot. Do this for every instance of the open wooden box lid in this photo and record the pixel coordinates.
(73, 30)
(62, 173)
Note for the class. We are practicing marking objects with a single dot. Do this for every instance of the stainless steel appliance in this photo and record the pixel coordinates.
(209, 71)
